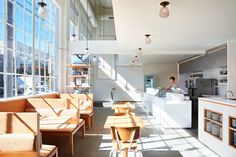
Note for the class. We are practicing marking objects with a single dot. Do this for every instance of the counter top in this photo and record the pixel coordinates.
(220, 101)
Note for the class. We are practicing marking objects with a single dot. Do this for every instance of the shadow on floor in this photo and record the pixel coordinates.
(162, 154)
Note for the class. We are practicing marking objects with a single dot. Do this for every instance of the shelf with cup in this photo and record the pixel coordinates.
(79, 74)
(223, 76)
(79, 66)
(80, 87)
(232, 131)
(213, 123)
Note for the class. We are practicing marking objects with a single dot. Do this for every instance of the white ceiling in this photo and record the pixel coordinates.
(192, 24)
(126, 59)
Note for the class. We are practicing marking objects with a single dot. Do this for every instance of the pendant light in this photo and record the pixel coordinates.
(139, 52)
(73, 36)
(87, 48)
(147, 39)
(164, 12)
(42, 12)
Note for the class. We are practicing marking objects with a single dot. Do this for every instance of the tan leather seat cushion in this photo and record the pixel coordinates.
(16, 142)
(57, 123)
(46, 150)
(55, 112)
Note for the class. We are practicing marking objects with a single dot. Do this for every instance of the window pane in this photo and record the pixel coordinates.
(37, 67)
(28, 22)
(20, 2)
(51, 84)
(28, 64)
(1, 34)
(41, 68)
(28, 5)
(10, 12)
(1, 59)
(46, 68)
(19, 40)
(20, 82)
(37, 85)
(19, 19)
(1, 10)
(28, 85)
(28, 44)
(1, 85)
(20, 63)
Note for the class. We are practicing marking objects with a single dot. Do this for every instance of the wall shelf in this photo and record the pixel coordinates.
(81, 87)
(79, 66)
(79, 74)
(209, 124)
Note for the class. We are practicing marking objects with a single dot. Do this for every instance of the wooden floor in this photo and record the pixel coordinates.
(155, 142)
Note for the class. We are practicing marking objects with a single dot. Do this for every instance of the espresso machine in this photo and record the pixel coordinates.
(198, 88)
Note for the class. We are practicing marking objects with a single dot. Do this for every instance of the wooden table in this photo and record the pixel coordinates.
(62, 126)
(128, 105)
(124, 122)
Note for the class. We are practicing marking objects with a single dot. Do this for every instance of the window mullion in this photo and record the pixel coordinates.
(33, 64)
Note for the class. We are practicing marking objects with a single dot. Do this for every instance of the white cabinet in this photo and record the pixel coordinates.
(171, 114)
(221, 144)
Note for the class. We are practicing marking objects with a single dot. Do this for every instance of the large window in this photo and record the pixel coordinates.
(28, 47)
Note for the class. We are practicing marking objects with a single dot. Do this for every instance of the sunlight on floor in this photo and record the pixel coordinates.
(156, 138)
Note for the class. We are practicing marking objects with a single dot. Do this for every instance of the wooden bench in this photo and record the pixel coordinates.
(83, 102)
(20, 136)
(58, 118)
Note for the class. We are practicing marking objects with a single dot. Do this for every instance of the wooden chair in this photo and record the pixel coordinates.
(123, 111)
(85, 108)
(124, 140)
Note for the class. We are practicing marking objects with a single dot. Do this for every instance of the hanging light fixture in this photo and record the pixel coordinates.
(73, 36)
(147, 39)
(139, 52)
(164, 12)
(87, 48)
(42, 12)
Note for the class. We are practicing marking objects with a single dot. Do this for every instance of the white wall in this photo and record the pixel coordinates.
(207, 74)
(133, 76)
(161, 72)
(102, 88)
(231, 65)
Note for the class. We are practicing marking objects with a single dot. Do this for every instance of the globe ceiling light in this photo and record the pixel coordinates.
(147, 39)
(42, 12)
(73, 37)
(164, 12)
(139, 52)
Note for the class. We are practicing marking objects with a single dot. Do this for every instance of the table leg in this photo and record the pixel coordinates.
(124, 153)
(83, 130)
(71, 145)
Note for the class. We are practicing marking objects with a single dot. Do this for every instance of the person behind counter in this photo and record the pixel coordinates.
(172, 83)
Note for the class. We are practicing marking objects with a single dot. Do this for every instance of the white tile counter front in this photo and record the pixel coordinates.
(225, 107)
(172, 114)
